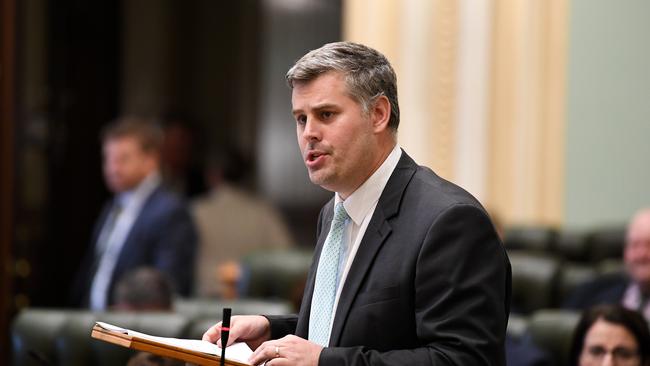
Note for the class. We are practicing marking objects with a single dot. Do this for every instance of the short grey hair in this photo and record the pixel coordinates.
(368, 74)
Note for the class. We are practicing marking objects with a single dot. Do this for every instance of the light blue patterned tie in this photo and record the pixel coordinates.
(322, 302)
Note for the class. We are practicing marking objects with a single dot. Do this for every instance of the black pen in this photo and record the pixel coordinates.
(225, 330)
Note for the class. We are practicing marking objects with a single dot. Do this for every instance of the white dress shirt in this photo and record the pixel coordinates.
(360, 206)
(111, 240)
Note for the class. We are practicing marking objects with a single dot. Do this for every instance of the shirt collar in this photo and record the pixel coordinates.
(359, 203)
(141, 191)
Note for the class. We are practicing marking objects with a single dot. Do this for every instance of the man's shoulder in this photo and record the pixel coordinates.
(425, 184)
(163, 200)
(429, 188)
(607, 288)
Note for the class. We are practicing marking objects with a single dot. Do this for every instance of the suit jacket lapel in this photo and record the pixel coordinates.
(376, 233)
(140, 225)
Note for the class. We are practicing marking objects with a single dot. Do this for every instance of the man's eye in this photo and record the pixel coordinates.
(301, 120)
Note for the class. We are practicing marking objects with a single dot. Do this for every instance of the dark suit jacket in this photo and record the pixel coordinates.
(429, 285)
(163, 236)
(607, 289)
(523, 352)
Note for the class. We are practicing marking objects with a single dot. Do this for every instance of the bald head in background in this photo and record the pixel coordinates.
(637, 249)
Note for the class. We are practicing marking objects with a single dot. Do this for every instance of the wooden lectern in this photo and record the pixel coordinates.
(158, 348)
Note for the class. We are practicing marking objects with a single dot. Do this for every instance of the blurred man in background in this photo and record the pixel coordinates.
(142, 225)
(632, 288)
(179, 163)
(143, 289)
(232, 222)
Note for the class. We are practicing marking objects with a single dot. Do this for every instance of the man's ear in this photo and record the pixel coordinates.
(380, 114)
(153, 160)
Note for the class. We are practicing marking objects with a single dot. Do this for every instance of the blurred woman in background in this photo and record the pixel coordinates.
(611, 335)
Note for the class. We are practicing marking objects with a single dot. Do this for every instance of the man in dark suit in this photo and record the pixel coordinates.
(143, 225)
(408, 269)
(631, 288)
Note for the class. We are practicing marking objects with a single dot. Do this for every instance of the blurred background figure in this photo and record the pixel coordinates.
(524, 352)
(632, 288)
(180, 169)
(611, 335)
(143, 289)
(143, 224)
(231, 222)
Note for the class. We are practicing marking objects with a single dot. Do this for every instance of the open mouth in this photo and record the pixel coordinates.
(312, 156)
(315, 158)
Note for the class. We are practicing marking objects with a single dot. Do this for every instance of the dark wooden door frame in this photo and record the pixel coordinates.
(7, 125)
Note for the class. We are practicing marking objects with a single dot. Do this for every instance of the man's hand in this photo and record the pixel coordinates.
(252, 329)
(290, 350)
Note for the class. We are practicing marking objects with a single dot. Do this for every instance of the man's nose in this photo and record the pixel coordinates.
(311, 130)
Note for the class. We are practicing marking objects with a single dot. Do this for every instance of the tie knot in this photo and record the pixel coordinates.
(340, 215)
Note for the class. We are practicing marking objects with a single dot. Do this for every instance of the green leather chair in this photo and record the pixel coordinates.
(534, 280)
(62, 336)
(277, 274)
(213, 308)
(32, 334)
(572, 245)
(606, 243)
(532, 238)
(517, 326)
(571, 276)
(552, 330)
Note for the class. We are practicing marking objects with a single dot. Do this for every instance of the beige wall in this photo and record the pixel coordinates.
(481, 94)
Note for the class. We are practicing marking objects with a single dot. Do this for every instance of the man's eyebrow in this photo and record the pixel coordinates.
(324, 106)
(318, 107)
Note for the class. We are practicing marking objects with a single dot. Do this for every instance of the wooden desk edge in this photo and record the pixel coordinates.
(146, 345)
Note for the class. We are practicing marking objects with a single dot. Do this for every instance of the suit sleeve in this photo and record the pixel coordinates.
(176, 248)
(461, 296)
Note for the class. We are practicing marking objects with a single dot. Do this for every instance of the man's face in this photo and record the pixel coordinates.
(336, 138)
(126, 164)
(637, 249)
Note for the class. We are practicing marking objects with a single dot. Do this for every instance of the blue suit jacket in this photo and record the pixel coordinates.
(163, 236)
(429, 285)
(607, 289)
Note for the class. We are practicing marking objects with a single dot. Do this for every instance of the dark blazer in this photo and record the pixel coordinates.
(429, 285)
(163, 236)
(523, 352)
(606, 289)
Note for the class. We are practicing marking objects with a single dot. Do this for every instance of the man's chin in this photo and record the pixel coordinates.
(317, 177)
(642, 276)
(321, 180)
(117, 187)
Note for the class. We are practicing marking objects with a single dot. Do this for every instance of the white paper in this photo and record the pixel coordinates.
(239, 352)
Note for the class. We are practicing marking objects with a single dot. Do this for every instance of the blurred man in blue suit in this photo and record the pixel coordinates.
(142, 225)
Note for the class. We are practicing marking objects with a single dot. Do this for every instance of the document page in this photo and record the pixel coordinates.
(239, 352)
